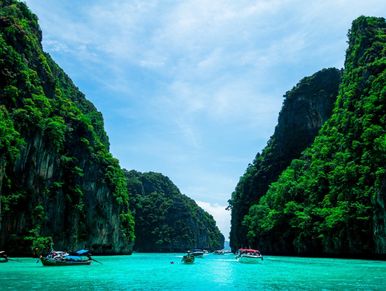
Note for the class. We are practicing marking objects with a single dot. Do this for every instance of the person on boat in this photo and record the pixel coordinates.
(36, 253)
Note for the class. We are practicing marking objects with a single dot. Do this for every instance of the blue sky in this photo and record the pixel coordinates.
(193, 89)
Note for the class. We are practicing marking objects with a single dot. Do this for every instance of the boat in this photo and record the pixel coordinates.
(188, 258)
(60, 258)
(249, 256)
(198, 253)
(3, 257)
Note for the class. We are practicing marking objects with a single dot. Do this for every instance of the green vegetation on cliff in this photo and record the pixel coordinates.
(332, 199)
(305, 108)
(56, 172)
(167, 220)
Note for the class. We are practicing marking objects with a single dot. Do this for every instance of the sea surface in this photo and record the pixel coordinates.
(213, 272)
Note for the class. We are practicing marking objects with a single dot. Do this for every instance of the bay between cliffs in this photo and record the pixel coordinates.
(145, 271)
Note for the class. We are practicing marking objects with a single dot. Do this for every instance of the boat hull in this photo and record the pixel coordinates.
(53, 262)
(247, 259)
(197, 253)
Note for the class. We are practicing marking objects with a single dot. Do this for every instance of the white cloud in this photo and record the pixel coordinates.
(221, 216)
(214, 54)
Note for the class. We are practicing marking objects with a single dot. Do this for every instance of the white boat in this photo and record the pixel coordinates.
(198, 253)
(3, 257)
(249, 256)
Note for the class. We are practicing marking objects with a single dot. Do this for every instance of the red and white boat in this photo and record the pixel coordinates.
(249, 256)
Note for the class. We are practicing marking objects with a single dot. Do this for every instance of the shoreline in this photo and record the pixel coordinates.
(343, 257)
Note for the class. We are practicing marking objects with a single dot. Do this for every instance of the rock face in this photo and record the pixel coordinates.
(58, 181)
(166, 220)
(331, 201)
(305, 108)
(379, 220)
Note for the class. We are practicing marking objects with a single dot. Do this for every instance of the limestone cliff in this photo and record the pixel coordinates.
(331, 201)
(58, 181)
(305, 108)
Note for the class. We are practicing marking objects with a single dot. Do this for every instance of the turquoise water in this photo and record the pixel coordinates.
(213, 272)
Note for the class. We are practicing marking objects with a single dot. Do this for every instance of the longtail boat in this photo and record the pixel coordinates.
(188, 258)
(59, 258)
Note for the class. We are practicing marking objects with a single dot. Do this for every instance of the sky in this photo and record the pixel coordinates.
(192, 89)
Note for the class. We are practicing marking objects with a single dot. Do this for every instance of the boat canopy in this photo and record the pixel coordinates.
(249, 250)
(81, 252)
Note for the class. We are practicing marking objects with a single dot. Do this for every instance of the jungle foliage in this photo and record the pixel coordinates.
(165, 219)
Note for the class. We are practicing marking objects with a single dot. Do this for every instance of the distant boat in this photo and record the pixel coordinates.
(3, 257)
(222, 252)
(59, 258)
(188, 258)
(249, 256)
(197, 253)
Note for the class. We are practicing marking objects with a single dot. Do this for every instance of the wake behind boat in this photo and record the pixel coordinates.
(59, 258)
(249, 256)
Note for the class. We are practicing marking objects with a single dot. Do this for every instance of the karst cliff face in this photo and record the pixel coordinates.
(58, 181)
(305, 108)
(166, 220)
(331, 200)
